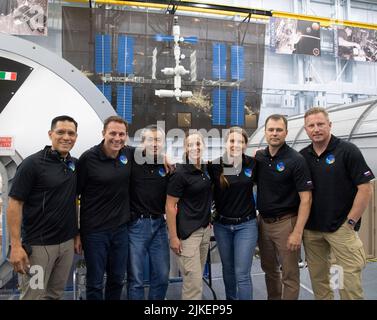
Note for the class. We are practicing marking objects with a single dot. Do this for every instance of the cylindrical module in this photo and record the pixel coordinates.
(164, 93)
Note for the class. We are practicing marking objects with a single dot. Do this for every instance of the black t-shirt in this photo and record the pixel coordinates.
(103, 184)
(236, 200)
(46, 183)
(193, 188)
(148, 187)
(279, 179)
(336, 174)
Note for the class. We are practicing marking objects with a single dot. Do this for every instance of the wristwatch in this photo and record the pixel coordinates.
(351, 222)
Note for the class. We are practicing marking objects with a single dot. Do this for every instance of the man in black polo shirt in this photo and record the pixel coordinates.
(147, 230)
(103, 182)
(283, 201)
(43, 197)
(342, 191)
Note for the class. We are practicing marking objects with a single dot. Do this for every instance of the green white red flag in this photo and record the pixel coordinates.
(6, 75)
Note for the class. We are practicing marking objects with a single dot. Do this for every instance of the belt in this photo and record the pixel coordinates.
(229, 220)
(136, 216)
(279, 218)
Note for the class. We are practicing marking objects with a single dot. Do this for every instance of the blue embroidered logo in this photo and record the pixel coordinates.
(71, 165)
(330, 159)
(280, 167)
(123, 159)
(247, 172)
(162, 172)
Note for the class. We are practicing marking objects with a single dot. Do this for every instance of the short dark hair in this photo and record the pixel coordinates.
(62, 118)
(276, 117)
(151, 127)
(114, 119)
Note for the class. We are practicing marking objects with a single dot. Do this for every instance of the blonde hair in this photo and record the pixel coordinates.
(315, 110)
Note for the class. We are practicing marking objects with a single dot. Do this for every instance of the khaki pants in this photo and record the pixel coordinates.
(348, 251)
(274, 253)
(50, 268)
(192, 261)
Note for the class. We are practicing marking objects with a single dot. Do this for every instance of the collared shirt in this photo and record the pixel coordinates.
(279, 179)
(148, 187)
(103, 184)
(236, 200)
(193, 188)
(46, 183)
(336, 174)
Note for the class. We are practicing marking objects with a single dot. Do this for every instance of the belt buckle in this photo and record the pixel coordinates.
(270, 220)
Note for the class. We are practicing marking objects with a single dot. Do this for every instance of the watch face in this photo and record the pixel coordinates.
(351, 222)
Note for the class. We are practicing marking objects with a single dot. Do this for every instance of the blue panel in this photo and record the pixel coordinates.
(106, 90)
(218, 61)
(237, 111)
(124, 102)
(162, 37)
(219, 107)
(237, 64)
(103, 53)
(125, 55)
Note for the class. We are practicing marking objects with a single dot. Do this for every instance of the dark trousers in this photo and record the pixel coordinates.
(105, 251)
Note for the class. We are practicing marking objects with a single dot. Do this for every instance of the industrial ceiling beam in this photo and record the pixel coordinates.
(212, 8)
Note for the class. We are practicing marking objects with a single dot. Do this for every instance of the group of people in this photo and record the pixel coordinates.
(316, 196)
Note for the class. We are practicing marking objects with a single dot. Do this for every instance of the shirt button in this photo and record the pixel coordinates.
(269, 165)
(152, 171)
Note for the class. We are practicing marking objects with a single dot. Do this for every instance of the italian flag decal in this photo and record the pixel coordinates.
(5, 75)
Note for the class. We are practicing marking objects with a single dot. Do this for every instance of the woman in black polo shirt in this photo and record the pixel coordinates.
(235, 226)
(189, 191)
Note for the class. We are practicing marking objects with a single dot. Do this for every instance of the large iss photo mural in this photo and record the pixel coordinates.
(190, 72)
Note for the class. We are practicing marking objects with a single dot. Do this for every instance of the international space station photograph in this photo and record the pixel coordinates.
(201, 73)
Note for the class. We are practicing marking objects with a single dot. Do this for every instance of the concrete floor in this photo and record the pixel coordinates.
(259, 288)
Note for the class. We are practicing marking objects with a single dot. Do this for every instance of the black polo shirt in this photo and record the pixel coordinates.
(336, 174)
(193, 188)
(149, 183)
(235, 200)
(279, 179)
(103, 184)
(46, 183)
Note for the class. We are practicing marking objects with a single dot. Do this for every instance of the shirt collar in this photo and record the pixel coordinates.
(225, 160)
(54, 154)
(191, 168)
(283, 149)
(157, 160)
(334, 141)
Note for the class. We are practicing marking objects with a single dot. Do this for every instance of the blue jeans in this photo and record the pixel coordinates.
(148, 237)
(236, 244)
(105, 251)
